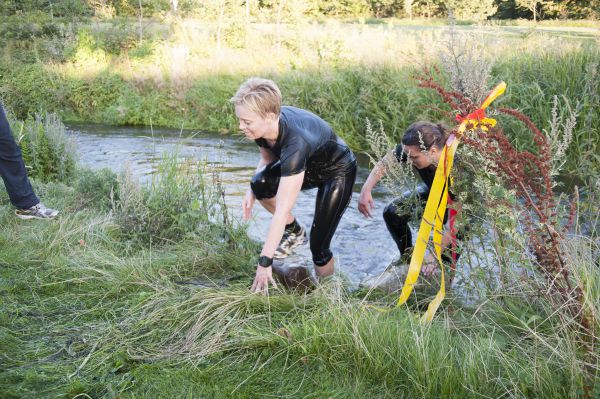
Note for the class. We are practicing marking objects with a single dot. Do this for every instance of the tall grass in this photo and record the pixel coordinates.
(48, 152)
(84, 313)
(177, 202)
(114, 319)
(343, 72)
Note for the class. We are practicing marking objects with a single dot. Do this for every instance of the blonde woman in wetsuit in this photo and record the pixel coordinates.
(298, 151)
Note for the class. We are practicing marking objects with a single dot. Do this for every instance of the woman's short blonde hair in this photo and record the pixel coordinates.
(259, 95)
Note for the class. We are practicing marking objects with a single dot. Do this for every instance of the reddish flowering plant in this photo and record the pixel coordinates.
(529, 176)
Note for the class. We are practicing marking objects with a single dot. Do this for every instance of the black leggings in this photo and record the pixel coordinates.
(333, 198)
(398, 213)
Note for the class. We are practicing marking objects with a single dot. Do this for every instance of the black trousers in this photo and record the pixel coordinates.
(398, 213)
(333, 198)
(12, 168)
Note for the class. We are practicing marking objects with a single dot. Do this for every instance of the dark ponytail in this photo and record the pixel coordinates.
(425, 133)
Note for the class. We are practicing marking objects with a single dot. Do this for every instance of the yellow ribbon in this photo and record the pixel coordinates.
(435, 208)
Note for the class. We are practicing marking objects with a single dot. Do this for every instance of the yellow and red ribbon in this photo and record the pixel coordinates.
(435, 208)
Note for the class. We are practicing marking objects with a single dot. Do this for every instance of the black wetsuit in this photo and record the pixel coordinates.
(306, 143)
(398, 213)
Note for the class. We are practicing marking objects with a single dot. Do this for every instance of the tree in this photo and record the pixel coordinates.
(471, 9)
(385, 8)
(575, 9)
(531, 5)
(408, 7)
(429, 8)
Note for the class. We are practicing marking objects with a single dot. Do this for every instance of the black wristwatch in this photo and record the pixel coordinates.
(265, 261)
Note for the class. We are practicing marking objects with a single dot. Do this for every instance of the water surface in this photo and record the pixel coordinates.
(362, 246)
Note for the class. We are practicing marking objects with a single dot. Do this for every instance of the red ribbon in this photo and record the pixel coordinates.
(452, 212)
(453, 231)
(478, 114)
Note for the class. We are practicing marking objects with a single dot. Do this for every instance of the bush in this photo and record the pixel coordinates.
(35, 39)
(48, 152)
(95, 188)
(175, 204)
(29, 89)
(118, 39)
(90, 99)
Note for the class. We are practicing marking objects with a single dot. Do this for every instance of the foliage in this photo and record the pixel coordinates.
(526, 214)
(529, 177)
(49, 153)
(96, 189)
(272, 10)
(35, 38)
(478, 10)
(29, 89)
(54, 8)
(172, 321)
(177, 203)
(344, 73)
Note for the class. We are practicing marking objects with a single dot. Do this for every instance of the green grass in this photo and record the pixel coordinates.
(83, 313)
(142, 291)
(178, 76)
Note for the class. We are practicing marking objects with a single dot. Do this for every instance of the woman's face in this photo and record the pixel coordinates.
(253, 125)
(422, 158)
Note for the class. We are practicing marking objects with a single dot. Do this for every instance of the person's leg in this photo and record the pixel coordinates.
(12, 168)
(332, 200)
(264, 185)
(398, 213)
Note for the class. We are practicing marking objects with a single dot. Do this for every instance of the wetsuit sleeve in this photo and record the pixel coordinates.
(399, 154)
(294, 156)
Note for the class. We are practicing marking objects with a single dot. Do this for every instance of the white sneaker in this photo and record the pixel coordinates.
(289, 242)
(38, 211)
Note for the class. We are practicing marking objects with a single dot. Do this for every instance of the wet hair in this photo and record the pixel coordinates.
(425, 134)
(259, 95)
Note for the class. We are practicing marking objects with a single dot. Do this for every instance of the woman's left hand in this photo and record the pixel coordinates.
(430, 264)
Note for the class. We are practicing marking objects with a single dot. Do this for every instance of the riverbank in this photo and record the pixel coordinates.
(95, 307)
(180, 77)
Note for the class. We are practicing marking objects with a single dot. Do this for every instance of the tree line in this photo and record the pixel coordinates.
(461, 9)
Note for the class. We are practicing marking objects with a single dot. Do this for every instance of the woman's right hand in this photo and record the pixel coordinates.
(247, 204)
(264, 276)
(366, 203)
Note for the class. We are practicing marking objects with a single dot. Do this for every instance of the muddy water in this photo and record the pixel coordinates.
(362, 246)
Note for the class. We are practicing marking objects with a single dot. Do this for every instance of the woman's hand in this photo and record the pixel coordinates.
(264, 275)
(430, 264)
(365, 202)
(247, 204)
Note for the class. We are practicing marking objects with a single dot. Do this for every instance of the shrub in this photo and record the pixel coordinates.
(34, 39)
(90, 99)
(29, 89)
(173, 205)
(95, 188)
(48, 152)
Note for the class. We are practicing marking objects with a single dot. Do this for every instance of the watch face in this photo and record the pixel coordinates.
(265, 261)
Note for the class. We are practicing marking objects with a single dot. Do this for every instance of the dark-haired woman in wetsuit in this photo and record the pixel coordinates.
(298, 151)
(422, 145)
